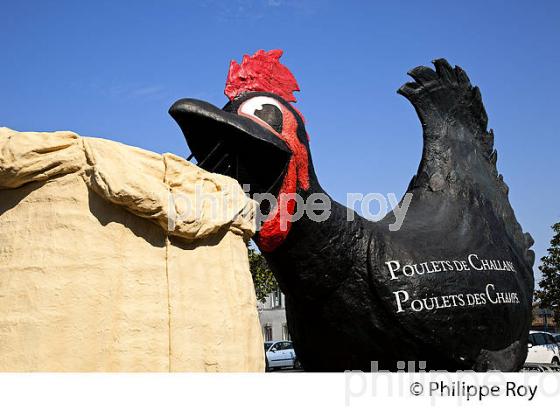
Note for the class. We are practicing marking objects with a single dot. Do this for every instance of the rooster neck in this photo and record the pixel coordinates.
(316, 257)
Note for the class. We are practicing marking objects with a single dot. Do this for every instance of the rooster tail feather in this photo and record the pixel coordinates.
(458, 158)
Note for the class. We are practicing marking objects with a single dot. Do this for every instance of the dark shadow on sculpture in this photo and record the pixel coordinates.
(17, 195)
(452, 287)
(189, 245)
(106, 212)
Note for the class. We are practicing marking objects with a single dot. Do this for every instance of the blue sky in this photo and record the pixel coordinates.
(112, 69)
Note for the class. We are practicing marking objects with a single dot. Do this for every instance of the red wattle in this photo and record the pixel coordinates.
(271, 234)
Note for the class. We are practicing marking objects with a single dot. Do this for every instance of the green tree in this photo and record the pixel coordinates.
(263, 278)
(549, 294)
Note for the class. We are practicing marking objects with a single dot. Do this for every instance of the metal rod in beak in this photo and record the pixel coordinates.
(217, 166)
(227, 170)
(201, 163)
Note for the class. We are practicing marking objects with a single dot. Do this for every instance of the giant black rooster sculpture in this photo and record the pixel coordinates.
(452, 287)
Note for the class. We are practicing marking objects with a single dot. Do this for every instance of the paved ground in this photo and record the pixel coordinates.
(287, 370)
(528, 367)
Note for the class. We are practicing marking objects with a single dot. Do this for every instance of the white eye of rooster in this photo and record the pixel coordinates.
(266, 109)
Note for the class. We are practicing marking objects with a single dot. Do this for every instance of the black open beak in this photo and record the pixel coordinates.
(232, 145)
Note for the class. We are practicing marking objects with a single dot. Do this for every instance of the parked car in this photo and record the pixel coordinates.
(543, 348)
(280, 354)
(556, 338)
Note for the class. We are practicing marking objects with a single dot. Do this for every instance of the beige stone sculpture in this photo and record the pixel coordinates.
(106, 265)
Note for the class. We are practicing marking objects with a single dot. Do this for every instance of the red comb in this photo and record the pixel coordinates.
(261, 72)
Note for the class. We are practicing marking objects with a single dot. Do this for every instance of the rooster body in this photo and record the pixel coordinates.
(452, 287)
